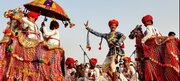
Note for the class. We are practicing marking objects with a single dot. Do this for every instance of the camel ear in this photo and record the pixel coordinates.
(137, 26)
(140, 25)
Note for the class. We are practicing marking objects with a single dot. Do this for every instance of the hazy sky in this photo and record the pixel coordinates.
(99, 12)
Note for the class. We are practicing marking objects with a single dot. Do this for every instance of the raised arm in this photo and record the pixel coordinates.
(93, 32)
(26, 21)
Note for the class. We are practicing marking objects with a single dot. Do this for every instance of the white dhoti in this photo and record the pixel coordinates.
(33, 36)
(122, 77)
(109, 64)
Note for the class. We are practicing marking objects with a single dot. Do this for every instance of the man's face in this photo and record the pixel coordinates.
(92, 65)
(120, 65)
(82, 66)
(31, 19)
(113, 27)
(72, 65)
(76, 62)
(148, 23)
(172, 35)
(126, 63)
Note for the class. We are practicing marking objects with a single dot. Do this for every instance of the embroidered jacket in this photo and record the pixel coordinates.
(114, 40)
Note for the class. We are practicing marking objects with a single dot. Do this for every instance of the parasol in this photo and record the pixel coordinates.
(49, 8)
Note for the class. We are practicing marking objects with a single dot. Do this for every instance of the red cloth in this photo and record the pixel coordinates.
(122, 46)
(69, 61)
(145, 46)
(7, 30)
(147, 18)
(33, 14)
(113, 21)
(93, 61)
(127, 59)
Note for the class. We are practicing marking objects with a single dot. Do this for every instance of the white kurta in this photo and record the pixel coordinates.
(130, 74)
(69, 76)
(53, 36)
(150, 32)
(33, 31)
(94, 73)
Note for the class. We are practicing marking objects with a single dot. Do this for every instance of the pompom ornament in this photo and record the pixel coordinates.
(88, 47)
(100, 44)
(71, 25)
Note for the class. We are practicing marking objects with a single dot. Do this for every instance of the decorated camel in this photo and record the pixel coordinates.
(25, 59)
(157, 59)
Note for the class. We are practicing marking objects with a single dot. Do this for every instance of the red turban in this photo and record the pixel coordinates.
(93, 61)
(147, 18)
(113, 21)
(33, 14)
(127, 59)
(69, 61)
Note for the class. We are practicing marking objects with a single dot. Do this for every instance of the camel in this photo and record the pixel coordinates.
(157, 59)
(26, 59)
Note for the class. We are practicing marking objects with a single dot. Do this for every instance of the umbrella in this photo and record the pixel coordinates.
(49, 8)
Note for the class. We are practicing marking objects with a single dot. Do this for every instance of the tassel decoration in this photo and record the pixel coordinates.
(88, 43)
(71, 24)
(100, 44)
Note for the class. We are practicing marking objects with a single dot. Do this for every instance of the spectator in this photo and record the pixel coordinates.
(70, 70)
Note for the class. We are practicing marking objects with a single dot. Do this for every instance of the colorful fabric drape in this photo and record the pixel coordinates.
(163, 59)
(30, 64)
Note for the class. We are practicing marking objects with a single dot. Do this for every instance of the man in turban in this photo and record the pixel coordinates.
(30, 25)
(115, 43)
(128, 73)
(70, 70)
(151, 31)
(92, 73)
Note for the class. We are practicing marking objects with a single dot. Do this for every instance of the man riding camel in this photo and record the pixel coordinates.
(30, 25)
(53, 35)
(151, 31)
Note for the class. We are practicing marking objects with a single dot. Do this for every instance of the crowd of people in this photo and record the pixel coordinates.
(125, 71)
